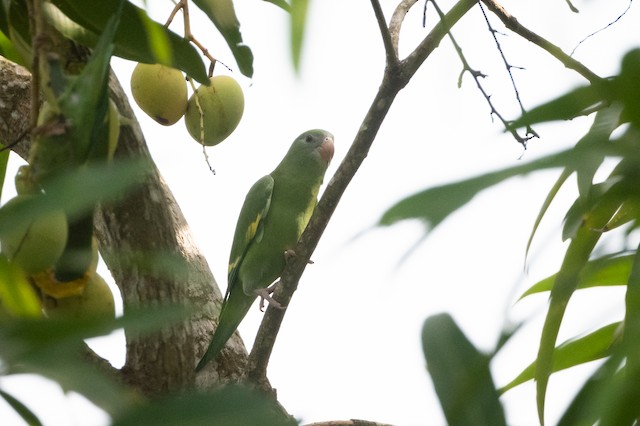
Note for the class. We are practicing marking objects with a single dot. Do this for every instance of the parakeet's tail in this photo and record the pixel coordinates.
(232, 313)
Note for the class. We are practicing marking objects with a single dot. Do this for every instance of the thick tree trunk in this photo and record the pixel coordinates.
(146, 243)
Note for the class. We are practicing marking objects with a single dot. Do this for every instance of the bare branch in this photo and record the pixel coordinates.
(390, 48)
(396, 23)
(512, 23)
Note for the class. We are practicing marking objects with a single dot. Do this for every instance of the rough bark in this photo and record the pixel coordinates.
(148, 247)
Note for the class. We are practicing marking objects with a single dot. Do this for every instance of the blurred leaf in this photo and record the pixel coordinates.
(133, 40)
(27, 415)
(16, 294)
(567, 279)
(54, 348)
(281, 4)
(460, 375)
(579, 101)
(593, 399)
(433, 205)
(8, 51)
(604, 123)
(631, 350)
(628, 86)
(63, 191)
(566, 173)
(593, 346)
(231, 405)
(605, 271)
(85, 100)
(223, 15)
(299, 10)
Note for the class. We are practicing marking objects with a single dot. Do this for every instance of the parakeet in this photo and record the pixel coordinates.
(275, 212)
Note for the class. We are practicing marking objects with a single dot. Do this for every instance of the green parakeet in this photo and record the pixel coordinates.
(274, 214)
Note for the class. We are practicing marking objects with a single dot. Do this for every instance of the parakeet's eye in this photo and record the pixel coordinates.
(308, 139)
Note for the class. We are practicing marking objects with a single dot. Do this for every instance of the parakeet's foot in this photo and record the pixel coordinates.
(290, 254)
(265, 294)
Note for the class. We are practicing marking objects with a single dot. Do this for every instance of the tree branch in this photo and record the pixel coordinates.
(396, 23)
(392, 82)
(390, 45)
(512, 23)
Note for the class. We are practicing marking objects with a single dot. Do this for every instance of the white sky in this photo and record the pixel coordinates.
(350, 345)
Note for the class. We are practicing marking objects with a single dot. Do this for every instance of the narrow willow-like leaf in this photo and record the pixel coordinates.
(299, 10)
(4, 160)
(53, 348)
(433, 205)
(545, 206)
(593, 346)
(63, 191)
(605, 271)
(223, 15)
(17, 295)
(595, 397)
(631, 349)
(568, 106)
(27, 415)
(460, 375)
(567, 279)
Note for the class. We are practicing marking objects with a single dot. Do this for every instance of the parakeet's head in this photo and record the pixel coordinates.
(317, 143)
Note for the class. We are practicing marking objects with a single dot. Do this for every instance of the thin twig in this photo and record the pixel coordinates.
(506, 63)
(530, 132)
(512, 23)
(603, 28)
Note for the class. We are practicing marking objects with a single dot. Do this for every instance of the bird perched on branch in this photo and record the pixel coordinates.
(275, 212)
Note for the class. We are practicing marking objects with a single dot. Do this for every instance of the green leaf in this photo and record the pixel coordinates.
(631, 337)
(579, 101)
(433, 205)
(16, 293)
(281, 4)
(27, 415)
(460, 375)
(299, 10)
(54, 348)
(605, 271)
(223, 15)
(567, 279)
(595, 345)
(595, 396)
(8, 51)
(231, 405)
(96, 183)
(133, 40)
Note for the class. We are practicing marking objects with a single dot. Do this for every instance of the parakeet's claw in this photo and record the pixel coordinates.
(290, 254)
(265, 294)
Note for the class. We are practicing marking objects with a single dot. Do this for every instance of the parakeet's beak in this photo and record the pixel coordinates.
(326, 149)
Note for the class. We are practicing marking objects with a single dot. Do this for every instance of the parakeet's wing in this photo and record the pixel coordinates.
(250, 225)
(248, 229)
